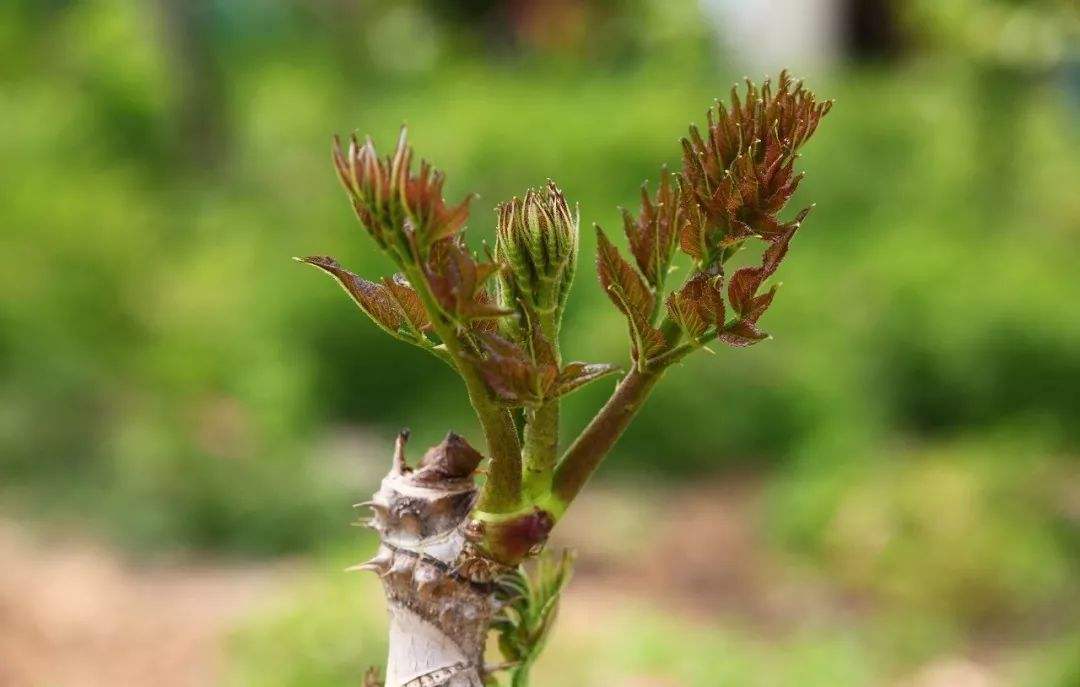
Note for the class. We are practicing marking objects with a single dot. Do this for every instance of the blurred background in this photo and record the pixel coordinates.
(887, 493)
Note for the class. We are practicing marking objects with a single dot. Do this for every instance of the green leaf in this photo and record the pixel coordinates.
(530, 606)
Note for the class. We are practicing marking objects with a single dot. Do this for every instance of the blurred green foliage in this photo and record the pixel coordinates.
(310, 638)
(168, 374)
(313, 640)
(1031, 34)
(162, 356)
(953, 544)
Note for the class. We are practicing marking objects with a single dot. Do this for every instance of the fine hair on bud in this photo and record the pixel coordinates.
(537, 244)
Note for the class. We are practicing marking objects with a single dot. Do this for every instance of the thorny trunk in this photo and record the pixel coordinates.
(439, 579)
(440, 601)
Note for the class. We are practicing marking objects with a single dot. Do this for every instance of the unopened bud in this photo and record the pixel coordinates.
(538, 243)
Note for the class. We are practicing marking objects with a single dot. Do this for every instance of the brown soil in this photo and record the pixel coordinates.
(705, 557)
(73, 614)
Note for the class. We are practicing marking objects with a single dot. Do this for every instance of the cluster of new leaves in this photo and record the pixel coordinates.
(529, 374)
(530, 604)
(507, 331)
(536, 246)
(741, 173)
(402, 211)
(458, 282)
(735, 180)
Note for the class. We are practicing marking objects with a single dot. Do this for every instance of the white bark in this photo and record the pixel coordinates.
(439, 617)
(422, 655)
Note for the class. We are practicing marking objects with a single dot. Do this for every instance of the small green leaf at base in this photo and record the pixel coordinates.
(531, 605)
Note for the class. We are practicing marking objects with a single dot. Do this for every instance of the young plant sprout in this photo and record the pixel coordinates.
(452, 546)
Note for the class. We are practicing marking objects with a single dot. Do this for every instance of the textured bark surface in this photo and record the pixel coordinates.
(438, 591)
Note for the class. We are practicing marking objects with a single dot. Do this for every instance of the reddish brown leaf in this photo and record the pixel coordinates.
(652, 235)
(649, 340)
(698, 305)
(374, 299)
(685, 312)
(776, 251)
(485, 302)
(742, 287)
(742, 334)
(742, 291)
(542, 350)
(760, 304)
(624, 286)
(514, 375)
(457, 281)
(628, 291)
(507, 370)
(408, 301)
(693, 232)
(576, 375)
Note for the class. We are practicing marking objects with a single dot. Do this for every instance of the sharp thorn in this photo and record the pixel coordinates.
(380, 561)
(399, 466)
(362, 566)
(377, 506)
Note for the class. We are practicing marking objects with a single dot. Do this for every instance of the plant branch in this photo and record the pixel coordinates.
(540, 447)
(502, 491)
(584, 455)
(541, 432)
(676, 354)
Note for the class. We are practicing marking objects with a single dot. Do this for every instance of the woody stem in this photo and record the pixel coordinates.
(584, 455)
(502, 490)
